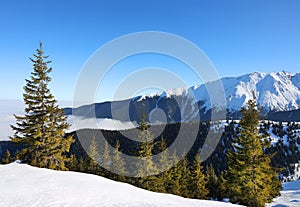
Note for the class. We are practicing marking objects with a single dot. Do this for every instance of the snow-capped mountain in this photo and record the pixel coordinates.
(274, 92)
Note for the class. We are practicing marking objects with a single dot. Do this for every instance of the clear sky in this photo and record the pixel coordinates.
(239, 36)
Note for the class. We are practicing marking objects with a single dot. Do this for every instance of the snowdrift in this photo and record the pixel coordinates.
(23, 185)
(290, 195)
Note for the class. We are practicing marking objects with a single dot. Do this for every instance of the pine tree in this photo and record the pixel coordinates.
(145, 166)
(73, 163)
(182, 180)
(173, 176)
(164, 160)
(41, 131)
(145, 163)
(221, 189)
(81, 165)
(212, 181)
(248, 178)
(106, 158)
(94, 155)
(7, 159)
(198, 181)
(16, 157)
(164, 157)
(118, 164)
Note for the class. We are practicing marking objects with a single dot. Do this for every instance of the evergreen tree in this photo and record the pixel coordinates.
(118, 164)
(173, 176)
(145, 166)
(212, 181)
(221, 189)
(180, 179)
(106, 158)
(164, 160)
(73, 163)
(16, 157)
(94, 155)
(7, 159)
(249, 177)
(93, 150)
(81, 165)
(187, 181)
(41, 131)
(198, 181)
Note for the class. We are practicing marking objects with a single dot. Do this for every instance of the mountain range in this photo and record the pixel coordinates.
(276, 93)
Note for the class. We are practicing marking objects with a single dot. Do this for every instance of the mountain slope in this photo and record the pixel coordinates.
(23, 185)
(275, 92)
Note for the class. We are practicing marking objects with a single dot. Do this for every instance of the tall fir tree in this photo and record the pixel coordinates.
(7, 159)
(250, 175)
(164, 160)
(145, 167)
(173, 177)
(198, 180)
(118, 163)
(212, 181)
(106, 157)
(185, 181)
(221, 190)
(41, 131)
(81, 165)
(94, 155)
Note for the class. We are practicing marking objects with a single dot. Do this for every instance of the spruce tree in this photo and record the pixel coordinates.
(145, 167)
(249, 177)
(164, 160)
(41, 131)
(7, 159)
(221, 190)
(173, 178)
(94, 155)
(198, 181)
(73, 163)
(179, 180)
(212, 181)
(81, 165)
(106, 158)
(118, 164)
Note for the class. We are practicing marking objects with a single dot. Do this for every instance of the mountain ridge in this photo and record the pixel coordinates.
(274, 92)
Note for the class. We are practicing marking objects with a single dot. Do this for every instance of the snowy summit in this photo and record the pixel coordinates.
(278, 91)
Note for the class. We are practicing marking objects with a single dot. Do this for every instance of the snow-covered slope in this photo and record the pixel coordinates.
(274, 91)
(23, 185)
(290, 195)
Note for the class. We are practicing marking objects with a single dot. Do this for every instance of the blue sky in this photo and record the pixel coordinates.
(239, 36)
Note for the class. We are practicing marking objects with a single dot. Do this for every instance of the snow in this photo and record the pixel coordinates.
(279, 91)
(23, 185)
(273, 91)
(290, 195)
